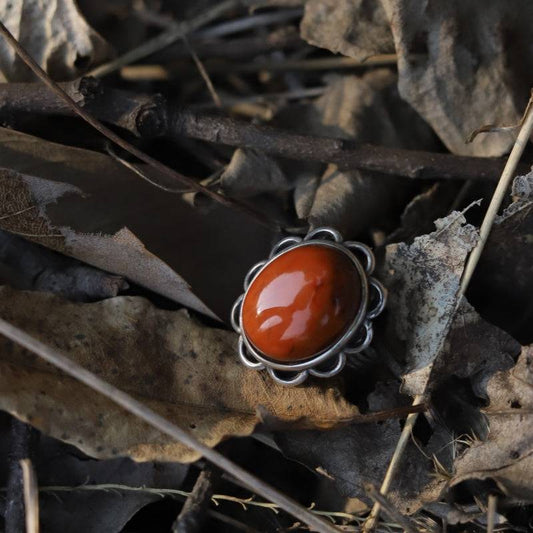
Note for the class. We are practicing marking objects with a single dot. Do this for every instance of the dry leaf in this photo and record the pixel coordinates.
(423, 283)
(507, 455)
(504, 271)
(250, 173)
(473, 349)
(456, 64)
(188, 373)
(86, 205)
(359, 454)
(355, 28)
(55, 34)
(468, 75)
(363, 109)
(422, 210)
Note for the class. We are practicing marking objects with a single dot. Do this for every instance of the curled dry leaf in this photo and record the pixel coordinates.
(448, 84)
(423, 283)
(55, 34)
(188, 373)
(355, 28)
(250, 172)
(445, 61)
(507, 455)
(363, 109)
(419, 214)
(86, 205)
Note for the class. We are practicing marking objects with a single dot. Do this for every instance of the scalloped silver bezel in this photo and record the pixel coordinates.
(360, 328)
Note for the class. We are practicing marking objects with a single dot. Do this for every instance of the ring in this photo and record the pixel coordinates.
(308, 307)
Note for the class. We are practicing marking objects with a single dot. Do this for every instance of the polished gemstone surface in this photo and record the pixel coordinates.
(301, 303)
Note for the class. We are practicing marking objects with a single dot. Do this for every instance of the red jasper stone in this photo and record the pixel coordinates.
(301, 303)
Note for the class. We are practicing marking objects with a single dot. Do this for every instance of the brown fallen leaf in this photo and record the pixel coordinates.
(507, 455)
(183, 370)
(250, 173)
(354, 28)
(55, 34)
(86, 205)
(457, 74)
(362, 109)
(449, 85)
(423, 283)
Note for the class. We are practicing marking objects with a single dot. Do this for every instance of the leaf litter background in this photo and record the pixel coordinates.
(144, 279)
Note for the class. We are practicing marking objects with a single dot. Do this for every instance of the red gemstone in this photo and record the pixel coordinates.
(302, 302)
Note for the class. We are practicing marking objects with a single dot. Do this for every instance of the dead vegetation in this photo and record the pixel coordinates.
(159, 152)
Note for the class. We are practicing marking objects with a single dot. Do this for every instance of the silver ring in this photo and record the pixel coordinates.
(353, 339)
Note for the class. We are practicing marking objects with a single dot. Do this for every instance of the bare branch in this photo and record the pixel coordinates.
(152, 116)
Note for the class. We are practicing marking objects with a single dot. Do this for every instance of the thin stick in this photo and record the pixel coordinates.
(498, 196)
(491, 512)
(203, 72)
(166, 38)
(323, 63)
(112, 136)
(31, 496)
(410, 421)
(128, 111)
(155, 420)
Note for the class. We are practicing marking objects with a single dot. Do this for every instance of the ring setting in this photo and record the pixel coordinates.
(308, 307)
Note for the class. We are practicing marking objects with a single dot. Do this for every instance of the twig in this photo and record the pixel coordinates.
(372, 519)
(31, 496)
(160, 492)
(21, 435)
(160, 72)
(153, 117)
(203, 73)
(393, 513)
(498, 196)
(167, 171)
(235, 48)
(29, 266)
(491, 512)
(192, 516)
(155, 420)
(247, 23)
(215, 498)
(323, 63)
(166, 38)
